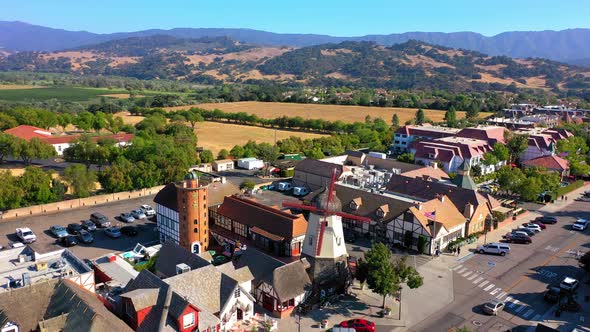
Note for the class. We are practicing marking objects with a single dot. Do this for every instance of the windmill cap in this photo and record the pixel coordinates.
(320, 201)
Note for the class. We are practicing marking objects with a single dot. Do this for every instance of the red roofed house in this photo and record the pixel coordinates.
(542, 142)
(490, 134)
(404, 136)
(60, 143)
(240, 219)
(551, 163)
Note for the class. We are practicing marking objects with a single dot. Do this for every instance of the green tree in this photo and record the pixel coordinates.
(406, 158)
(7, 146)
(476, 170)
(247, 184)
(489, 159)
(83, 149)
(473, 110)
(501, 152)
(420, 117)
(36, 185)
(114, 124)
(509, 179)
(516, 145)
(385, 277)
(81, 179)
(193, 116)
(395, 121)
(207, 156)
(64, 120)
(33, 149)
(267, 152)
(84, 121)
(223, 154)
(530, 188)
(116, 178)
(11, 192)
(7, 121)
(451, 117)
(237, 151)
(314, 153)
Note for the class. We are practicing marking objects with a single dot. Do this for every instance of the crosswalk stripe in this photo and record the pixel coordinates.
(501, 295)
(472, 277)
(462, 270)
(477, 280)
(536, 318)
(528, 313)
(513, 303)
(466, 274)
(489, 287)
(496, 290)
(457, 267)
(520, 308)
(483, 283)
(508, 299)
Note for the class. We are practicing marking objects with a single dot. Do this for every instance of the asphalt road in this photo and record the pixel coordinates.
(519, 279)
(102, 244)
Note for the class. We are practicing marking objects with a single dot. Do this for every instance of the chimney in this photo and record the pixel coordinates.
(419, 206)
(442, 198)
(468, 212)
(433, 164)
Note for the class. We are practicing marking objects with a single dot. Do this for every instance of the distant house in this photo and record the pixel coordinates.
(60, 143)
(240, 219)
(550, 163)
(55, 305)
(315, 174)
(223, 165)
(542, 142)
(404, 136)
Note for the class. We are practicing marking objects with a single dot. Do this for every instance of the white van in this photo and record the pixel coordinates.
(284, 186)
(300, 191)
(494, 248)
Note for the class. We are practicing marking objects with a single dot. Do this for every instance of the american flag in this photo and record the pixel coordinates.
(430, 215)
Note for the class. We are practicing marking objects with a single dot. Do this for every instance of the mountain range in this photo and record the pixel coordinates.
(570, 46)
(215, 60)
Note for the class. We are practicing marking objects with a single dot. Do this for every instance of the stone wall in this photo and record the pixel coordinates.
(77, 203)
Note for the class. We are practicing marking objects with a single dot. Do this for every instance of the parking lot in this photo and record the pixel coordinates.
(102, 244)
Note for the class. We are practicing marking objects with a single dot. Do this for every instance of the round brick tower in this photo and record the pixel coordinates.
(193, 215)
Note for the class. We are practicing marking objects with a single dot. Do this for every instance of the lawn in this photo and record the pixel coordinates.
(59, 93)
(326, 112)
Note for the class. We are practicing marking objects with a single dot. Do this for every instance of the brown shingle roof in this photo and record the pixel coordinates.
(253, 214)
(548, 162)
(317, 167)
(371, 203)
(291, 280)
(445, 213)
(142, 298)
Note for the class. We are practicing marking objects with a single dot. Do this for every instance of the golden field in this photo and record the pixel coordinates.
(327, 112)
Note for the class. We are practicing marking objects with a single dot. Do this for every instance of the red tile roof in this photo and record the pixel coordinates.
(253, 214)
(28, 132)
(548, 162)
(490, 134)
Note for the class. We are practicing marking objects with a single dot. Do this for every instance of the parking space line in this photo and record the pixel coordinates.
(528, 313)
(462, 270)
(489, 287)
(521, 308)
(473, 276)
(457, 267)
(466, 274)
(495, 291)
(483, 283)
(477, 280)
(513, 303)
(536, 318)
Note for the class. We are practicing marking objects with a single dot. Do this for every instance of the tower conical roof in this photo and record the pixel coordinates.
(320, 201)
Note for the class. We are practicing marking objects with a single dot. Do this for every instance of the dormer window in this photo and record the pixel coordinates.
(353, 206)
(188, 320)
(432, 155)
(380, 213)
(356, 203)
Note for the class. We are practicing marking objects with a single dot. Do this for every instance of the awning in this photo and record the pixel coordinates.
(266, 234)
(502, 209)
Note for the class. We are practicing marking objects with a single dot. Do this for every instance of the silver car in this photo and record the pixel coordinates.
(58, 231)
(127, 217)
(493, 307)
(138, 214)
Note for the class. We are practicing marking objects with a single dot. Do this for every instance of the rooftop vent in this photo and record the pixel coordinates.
(182, 268)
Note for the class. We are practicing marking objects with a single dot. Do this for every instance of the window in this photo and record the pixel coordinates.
(380, 213)
(396, 142)
(237, 293)
(196, 222)
(353, 205)
(240, 229)
(204, 197)
(196, 230)
(311, 240)
(188, 320)
(204, 206)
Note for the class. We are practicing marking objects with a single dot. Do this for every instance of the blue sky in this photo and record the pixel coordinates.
(337, 18)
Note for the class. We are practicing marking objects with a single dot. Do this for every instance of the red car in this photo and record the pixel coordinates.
(359, 325)
(542, 225)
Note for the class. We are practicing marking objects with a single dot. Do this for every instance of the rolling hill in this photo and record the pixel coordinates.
(566, 45)
(410, 65)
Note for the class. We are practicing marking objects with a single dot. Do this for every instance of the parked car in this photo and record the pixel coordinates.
(88, 225)
(532, 226)
(113, 232)
(68, 241)
(580, 224)
(519, 232)
(26, 235)
(284, 186)
(148, 210)
(518, 238)
(569, 284)
(528, 231)
(75, 229)
(58, 231)
(493, 307)
(494, 248)
(547, 219)
(129, 230)
(300, 191)
(359, 325)
(583, 199)
(100, 220)
(541, 224)
(85, 237)
(552, 294)
(126, 217)
(138, 214)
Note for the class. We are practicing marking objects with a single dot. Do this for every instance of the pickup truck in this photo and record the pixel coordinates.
(26, 235)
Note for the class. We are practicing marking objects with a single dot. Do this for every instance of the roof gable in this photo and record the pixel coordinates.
(171, 254)
(290, 280)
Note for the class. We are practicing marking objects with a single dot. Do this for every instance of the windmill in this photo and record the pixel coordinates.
(324, 246)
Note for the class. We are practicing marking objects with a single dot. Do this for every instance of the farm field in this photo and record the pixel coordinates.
(19, 86)
(60, 93)
(215, 136)
(326, 112)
